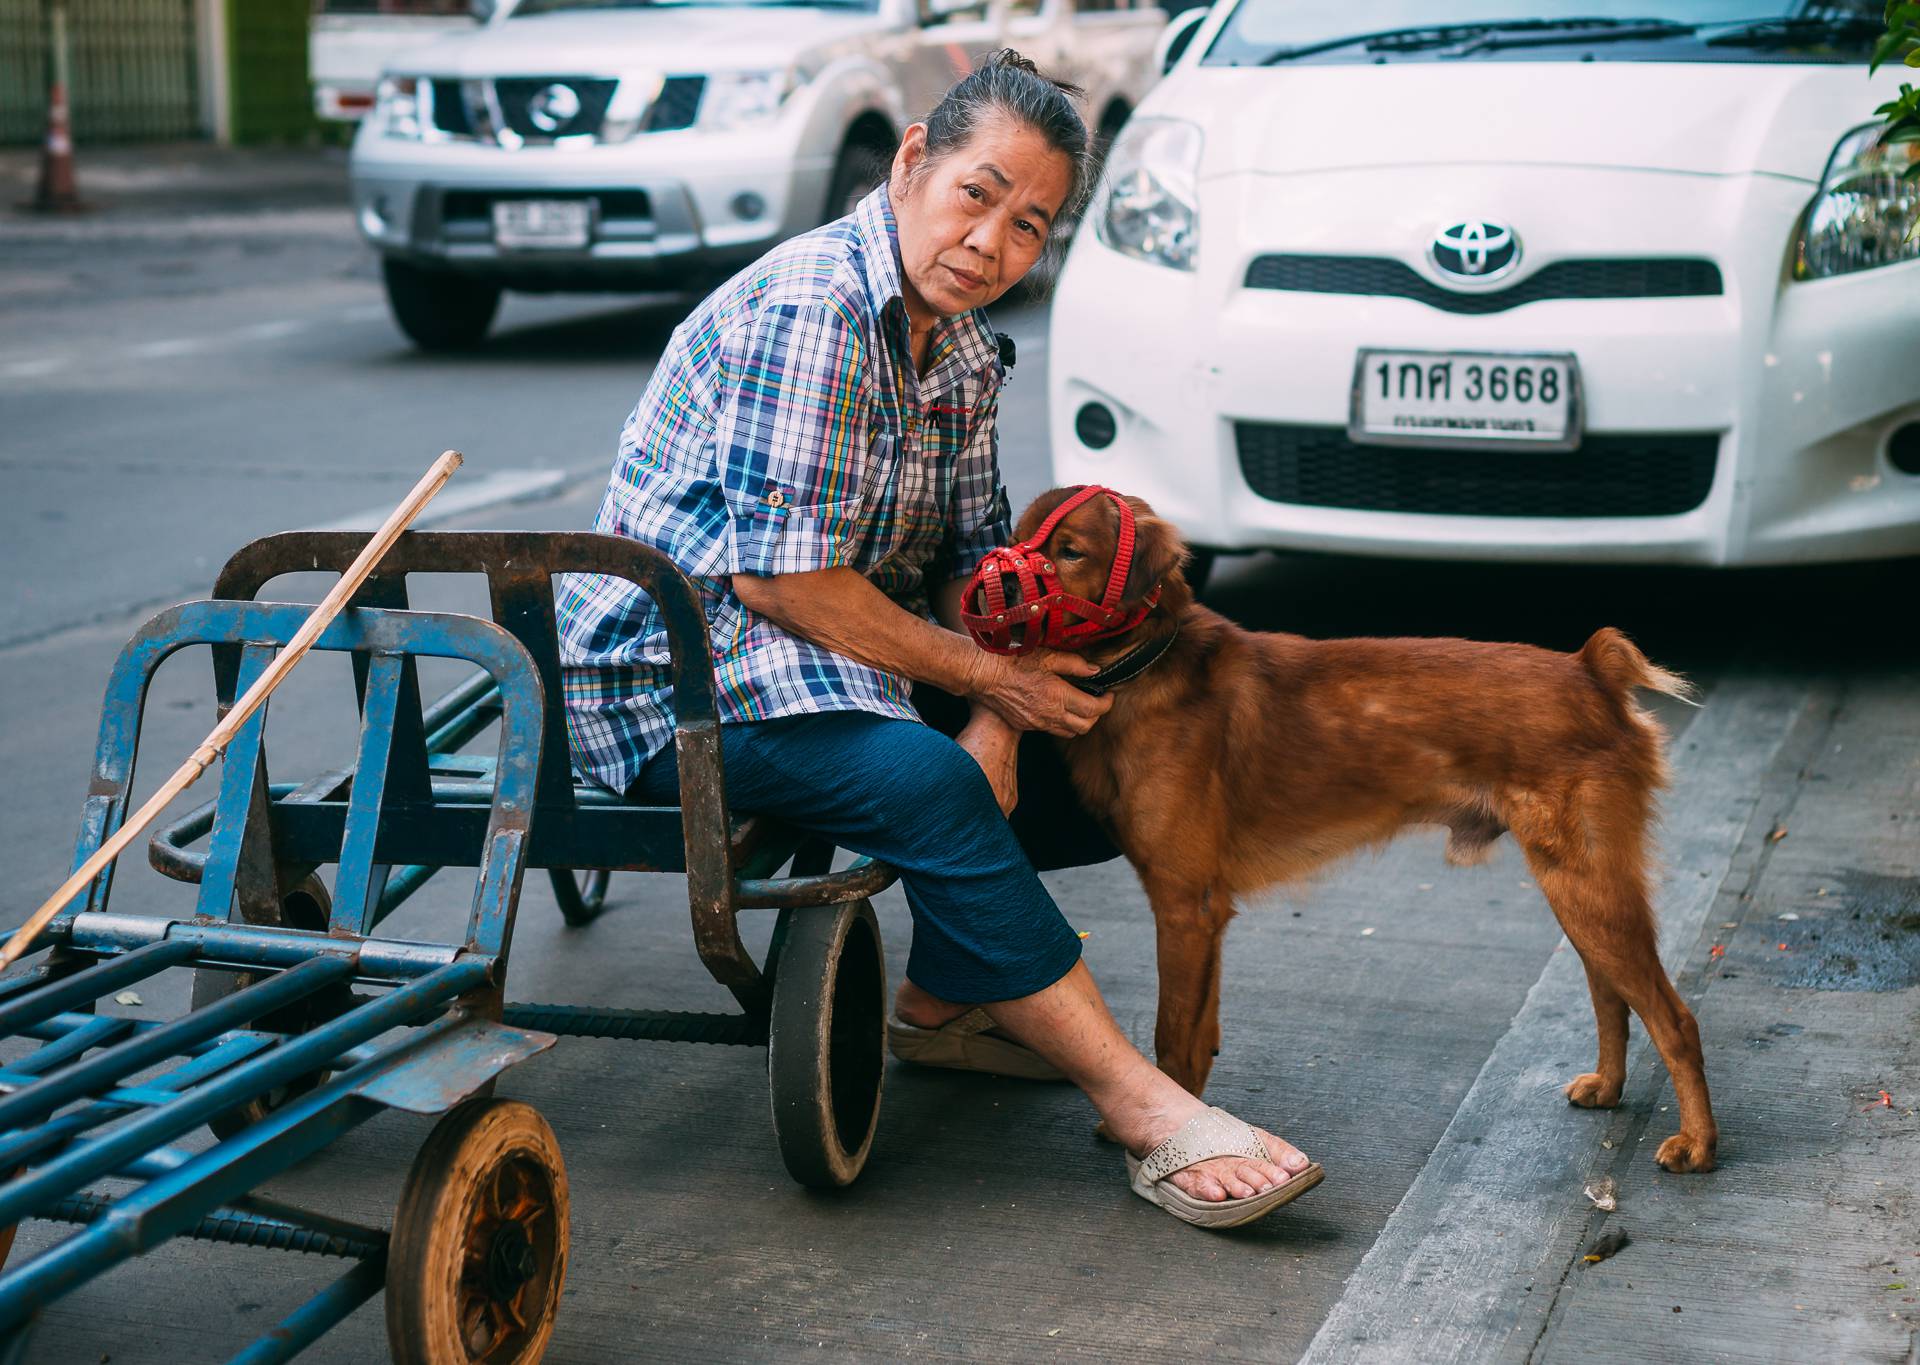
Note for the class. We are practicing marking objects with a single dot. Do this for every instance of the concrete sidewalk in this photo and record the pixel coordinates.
(175, 180)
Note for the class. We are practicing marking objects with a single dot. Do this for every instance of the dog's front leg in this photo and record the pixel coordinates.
(1189, 924)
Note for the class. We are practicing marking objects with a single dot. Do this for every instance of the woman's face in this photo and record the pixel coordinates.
(972, 222)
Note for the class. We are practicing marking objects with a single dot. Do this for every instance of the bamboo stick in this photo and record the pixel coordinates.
(222, 734)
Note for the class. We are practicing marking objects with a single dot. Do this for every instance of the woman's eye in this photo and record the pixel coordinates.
(1027, 228)
(973, 192)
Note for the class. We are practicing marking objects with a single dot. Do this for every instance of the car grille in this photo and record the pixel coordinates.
(460, 107)
(516, 97)
(1624, 278)
(1638, 475)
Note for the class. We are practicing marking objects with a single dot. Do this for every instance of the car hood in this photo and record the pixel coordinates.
(670, 38)
(1691, 118)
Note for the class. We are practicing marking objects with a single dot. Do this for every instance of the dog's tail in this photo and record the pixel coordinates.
(1617, 664)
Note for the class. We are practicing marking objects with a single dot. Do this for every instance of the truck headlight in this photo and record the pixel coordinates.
(1865, 212)
(738, 99)
(1152, 205)
(396, 107)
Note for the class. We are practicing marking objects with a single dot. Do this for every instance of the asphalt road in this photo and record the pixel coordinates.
(174, 384)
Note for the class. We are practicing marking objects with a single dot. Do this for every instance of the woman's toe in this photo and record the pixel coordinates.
(1286, 1156)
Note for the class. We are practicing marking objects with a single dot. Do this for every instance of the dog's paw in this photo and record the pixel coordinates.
(1684, 1153)
(1593, 1091)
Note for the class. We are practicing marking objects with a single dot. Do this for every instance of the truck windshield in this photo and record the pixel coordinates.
(527, 7)
(1317, 32)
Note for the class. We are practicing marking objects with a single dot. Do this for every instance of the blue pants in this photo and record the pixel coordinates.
(984, 928)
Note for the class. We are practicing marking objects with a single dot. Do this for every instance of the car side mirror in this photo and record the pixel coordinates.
(1176, 37)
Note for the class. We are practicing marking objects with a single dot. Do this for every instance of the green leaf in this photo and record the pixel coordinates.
(1913, 57)
(1907, 132)
(1890, 45)
(1902, 14)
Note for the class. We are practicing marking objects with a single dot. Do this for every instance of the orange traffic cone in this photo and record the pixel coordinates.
(58, 193)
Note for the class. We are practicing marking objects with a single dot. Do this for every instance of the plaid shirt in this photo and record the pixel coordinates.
(786, 430)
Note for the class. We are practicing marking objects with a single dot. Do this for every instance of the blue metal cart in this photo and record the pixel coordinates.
(280, 1054)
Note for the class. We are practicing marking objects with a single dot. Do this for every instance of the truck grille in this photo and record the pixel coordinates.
(519, 105)
(1637, 475)
(461, 109)
(1622, 278)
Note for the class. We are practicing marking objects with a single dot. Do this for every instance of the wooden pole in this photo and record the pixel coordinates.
(215, 743)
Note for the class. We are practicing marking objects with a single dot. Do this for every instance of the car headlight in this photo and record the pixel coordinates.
(1865, 213)
(737, 99)
(1152, 204)
(396, 107)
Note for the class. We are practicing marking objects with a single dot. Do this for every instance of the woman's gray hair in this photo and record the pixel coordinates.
(1010, 86)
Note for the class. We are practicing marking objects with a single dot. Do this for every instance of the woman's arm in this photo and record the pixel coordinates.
(839, 609)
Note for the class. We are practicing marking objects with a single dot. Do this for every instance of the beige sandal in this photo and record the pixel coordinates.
(967, 1044)
(1201, 1138)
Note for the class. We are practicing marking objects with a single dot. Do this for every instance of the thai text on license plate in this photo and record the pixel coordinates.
(541, 223)
(1462, 398)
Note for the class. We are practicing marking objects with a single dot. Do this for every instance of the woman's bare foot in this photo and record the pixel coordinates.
(1140, 1105)
(1142, 1126)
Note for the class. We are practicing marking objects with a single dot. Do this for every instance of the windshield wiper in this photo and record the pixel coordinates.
(1788, 32)
(1476, 37)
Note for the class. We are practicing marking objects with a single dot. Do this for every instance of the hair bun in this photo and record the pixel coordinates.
(1007, 57)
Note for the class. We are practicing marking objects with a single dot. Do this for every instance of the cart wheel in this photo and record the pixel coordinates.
(479, 1249)
(308, 905)
(826, 1042)
(582, 900)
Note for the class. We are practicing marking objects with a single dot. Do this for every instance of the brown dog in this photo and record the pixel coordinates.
(1241, 760)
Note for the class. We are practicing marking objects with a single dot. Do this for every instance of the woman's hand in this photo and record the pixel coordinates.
(995, 746)
(1031, 691)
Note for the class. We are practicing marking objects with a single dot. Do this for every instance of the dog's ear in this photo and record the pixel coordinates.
(1158, 553)
(1040, 509)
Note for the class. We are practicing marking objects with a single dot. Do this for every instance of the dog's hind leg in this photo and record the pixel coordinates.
(1603, 908)
(1189, 926)
(1600, 1087)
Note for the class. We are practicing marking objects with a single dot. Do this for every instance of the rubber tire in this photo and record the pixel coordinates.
(581, 895)
(439, 310)
(437, 1207)
(861, 166)
(308, 905)
(826, 1041)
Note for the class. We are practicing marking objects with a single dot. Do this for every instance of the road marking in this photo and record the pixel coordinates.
(267, 331)
(508, 485)
(34, 369)
(1494, 1212)
(158, 350)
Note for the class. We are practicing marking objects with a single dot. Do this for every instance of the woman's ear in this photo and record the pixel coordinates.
(1158, 552)
(906, 158)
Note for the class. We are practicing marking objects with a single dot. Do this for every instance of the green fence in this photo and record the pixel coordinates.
(135, 70)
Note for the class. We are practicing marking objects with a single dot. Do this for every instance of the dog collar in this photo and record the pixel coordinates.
(1128, 666)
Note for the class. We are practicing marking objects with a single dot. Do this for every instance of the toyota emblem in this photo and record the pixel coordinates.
(553, 107)
(1475, 251)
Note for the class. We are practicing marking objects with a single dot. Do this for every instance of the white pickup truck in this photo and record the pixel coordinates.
(647, 144)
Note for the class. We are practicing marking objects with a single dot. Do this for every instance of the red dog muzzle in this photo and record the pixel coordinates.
(1015, 602)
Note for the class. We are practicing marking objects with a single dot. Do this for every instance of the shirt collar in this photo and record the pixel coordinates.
(966, 342)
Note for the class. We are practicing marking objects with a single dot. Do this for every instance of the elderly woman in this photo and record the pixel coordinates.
(817, 451)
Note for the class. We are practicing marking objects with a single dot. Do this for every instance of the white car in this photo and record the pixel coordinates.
(647, 144)
(1451, 280)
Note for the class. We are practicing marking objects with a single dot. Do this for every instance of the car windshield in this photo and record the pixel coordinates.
(528, 7)
(1304, 32)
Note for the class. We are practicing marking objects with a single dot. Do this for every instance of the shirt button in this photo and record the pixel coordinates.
(776, 499)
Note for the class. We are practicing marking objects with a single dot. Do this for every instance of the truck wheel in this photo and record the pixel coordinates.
(859, 169)
(438, 309)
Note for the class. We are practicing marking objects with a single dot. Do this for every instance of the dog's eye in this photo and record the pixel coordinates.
(1069, 554)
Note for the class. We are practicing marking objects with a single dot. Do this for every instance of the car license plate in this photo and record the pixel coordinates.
(1485, 399)
(522, 224)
